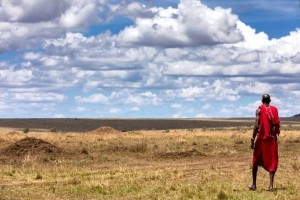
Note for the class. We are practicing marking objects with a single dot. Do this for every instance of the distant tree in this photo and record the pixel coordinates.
(298, 115)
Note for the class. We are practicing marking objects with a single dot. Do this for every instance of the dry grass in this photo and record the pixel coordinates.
(173, 164)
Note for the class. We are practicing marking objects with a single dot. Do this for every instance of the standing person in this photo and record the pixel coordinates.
(266, 131)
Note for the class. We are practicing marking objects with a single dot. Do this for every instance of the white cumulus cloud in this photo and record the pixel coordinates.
(191, 24)
(95, 98)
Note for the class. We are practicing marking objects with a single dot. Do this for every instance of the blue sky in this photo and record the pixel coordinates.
(148, 59)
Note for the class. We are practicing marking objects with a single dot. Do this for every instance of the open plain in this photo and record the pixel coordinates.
(140, 159)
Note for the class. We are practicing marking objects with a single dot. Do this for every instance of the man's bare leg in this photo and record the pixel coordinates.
(272, 174)
(254, 175)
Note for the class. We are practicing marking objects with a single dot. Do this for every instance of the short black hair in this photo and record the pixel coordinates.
(266, 98)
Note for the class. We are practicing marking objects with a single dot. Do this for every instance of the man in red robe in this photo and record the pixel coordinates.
(266, 131)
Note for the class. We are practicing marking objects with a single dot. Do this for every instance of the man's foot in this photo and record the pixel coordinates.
(252, 187)
(271, 189)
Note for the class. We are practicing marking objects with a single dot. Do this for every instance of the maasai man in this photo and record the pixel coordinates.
(267, 129)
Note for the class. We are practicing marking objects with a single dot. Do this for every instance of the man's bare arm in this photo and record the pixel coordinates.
(255, 129)
(256, 126)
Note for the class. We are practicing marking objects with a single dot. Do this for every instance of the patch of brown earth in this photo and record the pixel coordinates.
(30, 146)
(183, 154)
(14, 133)
(104, 130)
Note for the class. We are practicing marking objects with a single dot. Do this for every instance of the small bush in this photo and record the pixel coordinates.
(26, 130)
(52, 189)
(38, 176)
(9, 173)
(296, 166)
(74, 181)
(53, 130)
(84, 151)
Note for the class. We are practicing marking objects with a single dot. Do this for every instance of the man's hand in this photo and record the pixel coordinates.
(252, 144)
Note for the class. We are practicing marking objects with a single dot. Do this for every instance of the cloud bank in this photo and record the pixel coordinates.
(184, 61)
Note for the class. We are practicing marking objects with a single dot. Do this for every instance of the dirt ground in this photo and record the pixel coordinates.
(106, 163)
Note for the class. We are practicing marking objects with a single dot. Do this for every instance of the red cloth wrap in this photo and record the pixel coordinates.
(265, 152)
(268, 117)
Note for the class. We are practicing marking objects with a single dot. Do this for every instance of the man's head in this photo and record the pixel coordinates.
(266, 98)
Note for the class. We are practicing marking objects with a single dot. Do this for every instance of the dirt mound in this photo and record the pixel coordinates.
(30, 146)
(104, 130)
(15, 133)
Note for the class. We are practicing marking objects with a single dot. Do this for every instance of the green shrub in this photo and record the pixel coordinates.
(26, 130)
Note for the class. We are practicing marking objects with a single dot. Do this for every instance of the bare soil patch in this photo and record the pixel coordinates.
(30, 146)
(178, 155)
(14, 133)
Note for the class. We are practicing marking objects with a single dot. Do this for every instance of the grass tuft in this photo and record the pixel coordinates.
(85, 151)
(296, 166)
(38, 177)
(222, 195)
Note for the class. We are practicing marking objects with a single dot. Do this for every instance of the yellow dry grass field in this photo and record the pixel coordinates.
(167, 164)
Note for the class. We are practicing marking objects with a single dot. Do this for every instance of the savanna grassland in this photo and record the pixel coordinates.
(205, 163)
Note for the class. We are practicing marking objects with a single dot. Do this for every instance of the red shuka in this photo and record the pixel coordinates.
(266, 149)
